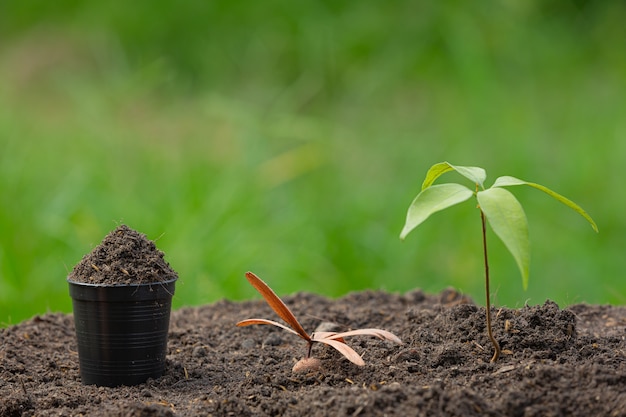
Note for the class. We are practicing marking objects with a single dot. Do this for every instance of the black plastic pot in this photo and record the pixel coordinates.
(121, 331)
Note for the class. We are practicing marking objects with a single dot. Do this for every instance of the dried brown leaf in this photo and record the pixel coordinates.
(277, 304)
(333, 339)
(250, 322)
(326, 335)
(381, 334)
(344, 349)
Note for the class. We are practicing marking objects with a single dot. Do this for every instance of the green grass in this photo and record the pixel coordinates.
(290, 140)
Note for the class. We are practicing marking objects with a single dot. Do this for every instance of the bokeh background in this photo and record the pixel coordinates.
(288, 138)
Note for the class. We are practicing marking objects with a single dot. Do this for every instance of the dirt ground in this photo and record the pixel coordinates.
(555, 362)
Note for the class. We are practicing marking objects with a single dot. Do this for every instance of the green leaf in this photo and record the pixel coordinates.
(435, 172)
(510, 181)
(475, 174)
(432, 200)
(508, 221)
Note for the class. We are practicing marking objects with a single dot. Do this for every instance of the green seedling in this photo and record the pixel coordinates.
(336, 340)
(496, 204)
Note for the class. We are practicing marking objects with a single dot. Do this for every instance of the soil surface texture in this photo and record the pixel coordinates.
(555, 362)
(123, 257)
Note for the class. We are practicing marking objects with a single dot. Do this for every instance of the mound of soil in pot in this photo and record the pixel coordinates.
(123, 257)
(555, 362)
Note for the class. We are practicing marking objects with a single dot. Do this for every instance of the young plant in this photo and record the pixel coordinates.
(496, 204)
(329, 338)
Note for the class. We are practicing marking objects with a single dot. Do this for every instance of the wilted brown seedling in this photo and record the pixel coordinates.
(329, 338)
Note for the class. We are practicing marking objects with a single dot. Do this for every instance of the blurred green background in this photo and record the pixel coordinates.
(289, 138)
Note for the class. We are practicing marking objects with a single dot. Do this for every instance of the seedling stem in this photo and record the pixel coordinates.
(494, 342)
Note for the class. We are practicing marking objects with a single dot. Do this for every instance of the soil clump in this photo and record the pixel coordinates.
(124, 257)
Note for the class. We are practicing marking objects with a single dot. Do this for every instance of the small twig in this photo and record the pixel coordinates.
(23, 386)
(24, 389)
(478, 345)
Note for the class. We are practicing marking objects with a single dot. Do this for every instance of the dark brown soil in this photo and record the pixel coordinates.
(555, 363)
(124, 257)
